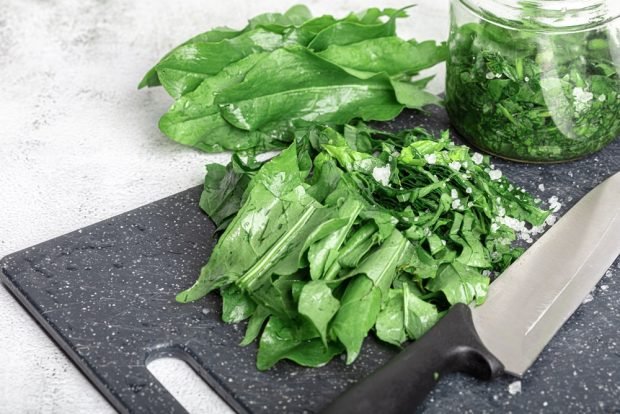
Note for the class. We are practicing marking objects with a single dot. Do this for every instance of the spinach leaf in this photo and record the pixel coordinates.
(460, 284)
(390, 325)
(186, 67)
(391, 55)
(258, 225)
(354, 29)
(284, 339)
(255, 325)
(250, 90)
(295, 85)
(381, 266)
(419, 315)
(236, 305)
(224, 188)
(359, 308)
(212, 36)
(317, 303)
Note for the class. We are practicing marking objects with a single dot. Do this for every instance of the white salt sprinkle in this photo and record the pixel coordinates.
(541, 187)
(382, 174)
(514, 388)
(430, 158)
(495, 174)
(554, 204)
(477, 158)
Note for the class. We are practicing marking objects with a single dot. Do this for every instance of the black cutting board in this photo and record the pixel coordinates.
(105, 294)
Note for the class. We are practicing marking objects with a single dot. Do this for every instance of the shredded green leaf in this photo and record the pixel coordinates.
(356, 230)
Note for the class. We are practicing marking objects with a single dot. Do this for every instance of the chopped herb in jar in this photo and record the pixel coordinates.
(533, 96)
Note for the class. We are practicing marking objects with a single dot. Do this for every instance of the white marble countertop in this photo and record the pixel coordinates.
(80, 144)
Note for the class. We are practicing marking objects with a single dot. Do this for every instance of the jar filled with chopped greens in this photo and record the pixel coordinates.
(535, 80)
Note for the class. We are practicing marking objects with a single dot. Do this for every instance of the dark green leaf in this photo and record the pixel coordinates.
(295, 85)
(255, 324)
(317, 303)
(288, 340)
(390, 325)
(236, 305)
(419, 315)
(391, 55)
(358, 312)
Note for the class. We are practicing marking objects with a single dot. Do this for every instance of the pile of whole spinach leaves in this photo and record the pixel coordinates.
(252, 89)
(352, 231)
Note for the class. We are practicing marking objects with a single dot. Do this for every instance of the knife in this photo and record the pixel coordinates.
(524, 309)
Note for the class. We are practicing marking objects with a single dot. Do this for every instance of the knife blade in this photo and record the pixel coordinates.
(524, 309)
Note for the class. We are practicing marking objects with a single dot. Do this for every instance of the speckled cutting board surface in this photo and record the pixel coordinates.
(105, 294)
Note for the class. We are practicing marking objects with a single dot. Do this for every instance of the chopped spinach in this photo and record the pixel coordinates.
(530, 95)
(352, 230)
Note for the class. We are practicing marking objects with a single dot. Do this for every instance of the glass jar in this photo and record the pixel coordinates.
(535, 80)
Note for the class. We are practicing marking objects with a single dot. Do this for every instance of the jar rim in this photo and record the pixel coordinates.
(512, 17)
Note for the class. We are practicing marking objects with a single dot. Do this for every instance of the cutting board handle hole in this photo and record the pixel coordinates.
(184, 384)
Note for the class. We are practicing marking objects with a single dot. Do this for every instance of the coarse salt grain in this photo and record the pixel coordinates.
(550, 221)
(514, 388)
(541, 187)
(477, 158)
(554, 204)
(382, 174)
(495, 174)
(430, 158)
(455, 165)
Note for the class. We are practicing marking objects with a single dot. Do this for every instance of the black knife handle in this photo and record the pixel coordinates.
(401, 385)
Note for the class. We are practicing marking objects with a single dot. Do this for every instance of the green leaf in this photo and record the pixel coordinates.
(278, 22)
(295, 85)
(236, 306)
(323, 253)
(460, 284)
(412, 96)
(358, 244)
(390, 325)
(287, 340)
(391, 55)
(184, 68)
(259, 224)
(351, 30)
(419, 315)
(255, 324)
(194, 120)
(223, 190)
(212, 36)
(358, 312)
(381, 265)
(317, 303)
